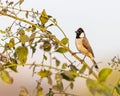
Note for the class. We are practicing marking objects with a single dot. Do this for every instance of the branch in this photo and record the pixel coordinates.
(53, 37)
(36, 65)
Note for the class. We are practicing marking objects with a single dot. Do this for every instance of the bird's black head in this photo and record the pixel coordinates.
(79, 33)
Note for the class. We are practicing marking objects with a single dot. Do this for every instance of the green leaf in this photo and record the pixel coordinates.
(59, 85)
(56, 46)
(24, 38)
(47, 46)
(28, 29)
(33, 28)
(44, 17)
(1, 67)
(11, 43)
(71, 85)
(32, 36)
(21, 1)
(64, 65)
(118, 89)
(58, 77)
(82, 70)
(92, 85)
(23, 91)
(57, 61)
(22, 53)
(45, 57)
(21, 32)
(6, 47)
(43, 73)
(55, 87)
(4, 75)
(103, 74)
(39, 91)
(73, 67)
(49, 79)
(42, 28)
(61, 50)
(74, 73)
(67, 75)
(2, 32)
(64, 41)
(54, 20)
(97, 88)
(31, 39)
(33, 49)
(13, 68)
(11, 3)
(51, 93)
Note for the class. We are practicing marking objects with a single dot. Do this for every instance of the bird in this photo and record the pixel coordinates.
(83, 45)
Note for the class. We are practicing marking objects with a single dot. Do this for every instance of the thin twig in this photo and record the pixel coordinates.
(53, 37)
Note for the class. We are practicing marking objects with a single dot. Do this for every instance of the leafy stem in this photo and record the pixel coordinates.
(53, 37)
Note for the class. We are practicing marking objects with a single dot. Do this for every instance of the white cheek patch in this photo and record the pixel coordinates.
(82, 35)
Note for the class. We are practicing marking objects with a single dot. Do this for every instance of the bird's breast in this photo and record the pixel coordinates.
(80, 47)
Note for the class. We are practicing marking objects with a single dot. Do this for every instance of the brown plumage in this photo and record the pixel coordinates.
(83, 45)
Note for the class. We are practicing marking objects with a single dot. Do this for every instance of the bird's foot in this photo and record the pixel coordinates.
(75, 53)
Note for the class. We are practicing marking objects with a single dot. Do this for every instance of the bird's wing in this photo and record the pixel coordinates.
(87, 45)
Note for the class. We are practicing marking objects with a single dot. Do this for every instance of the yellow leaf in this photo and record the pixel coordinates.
(21, 1)
(24, 38)
(61, 50)
(21, 32)
(11, 43)
(44, 17)
(4, 75)
(64, 41)
(22, 53)
(47, 46)
(43, 73)
(28, 29)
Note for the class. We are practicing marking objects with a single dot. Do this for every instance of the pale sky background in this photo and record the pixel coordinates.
(99, 18)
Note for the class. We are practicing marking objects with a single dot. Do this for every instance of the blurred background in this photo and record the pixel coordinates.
(100, 20)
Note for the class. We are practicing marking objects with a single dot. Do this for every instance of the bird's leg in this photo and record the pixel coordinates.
(91, 69)
(83, 58)
(75, 53)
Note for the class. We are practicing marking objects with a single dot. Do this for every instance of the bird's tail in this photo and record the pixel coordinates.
(96, 66)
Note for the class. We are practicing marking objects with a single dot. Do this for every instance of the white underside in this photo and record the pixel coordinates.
(80, 46)
(82, 49)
